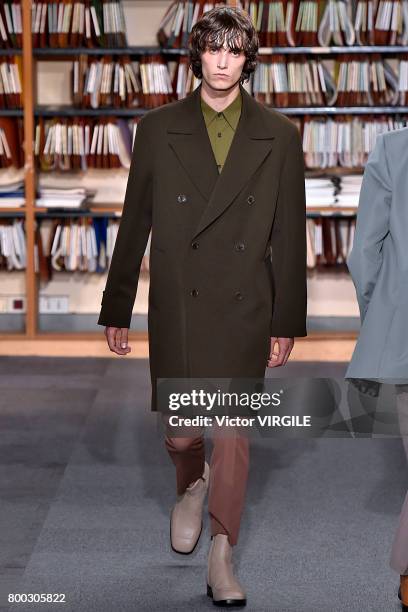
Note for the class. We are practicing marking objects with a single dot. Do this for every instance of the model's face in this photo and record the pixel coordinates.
(222, 67)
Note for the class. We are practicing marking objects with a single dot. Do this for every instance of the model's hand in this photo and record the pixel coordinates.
(117, 338)
(280, 357)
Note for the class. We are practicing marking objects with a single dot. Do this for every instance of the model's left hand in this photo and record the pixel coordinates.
(279, 358)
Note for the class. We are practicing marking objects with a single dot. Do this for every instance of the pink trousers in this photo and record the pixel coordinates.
(229, 466)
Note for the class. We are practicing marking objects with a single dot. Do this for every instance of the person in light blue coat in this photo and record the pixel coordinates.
(378, 264)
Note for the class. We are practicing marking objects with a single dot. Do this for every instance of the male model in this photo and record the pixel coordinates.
(219, 179)
(378, 264)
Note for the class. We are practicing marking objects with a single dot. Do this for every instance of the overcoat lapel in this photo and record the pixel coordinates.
(189, 139)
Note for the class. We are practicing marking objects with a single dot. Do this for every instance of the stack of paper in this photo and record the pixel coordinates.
(349, 193)
(62, 197)
(319, 192)
(12, 194)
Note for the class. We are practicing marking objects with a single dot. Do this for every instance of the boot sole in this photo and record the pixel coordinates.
(182, 552)
(225, 602)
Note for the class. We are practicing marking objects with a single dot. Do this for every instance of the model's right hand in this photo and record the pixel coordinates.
(117, 339)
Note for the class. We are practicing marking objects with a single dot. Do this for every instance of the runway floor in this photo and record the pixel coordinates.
(87, 486)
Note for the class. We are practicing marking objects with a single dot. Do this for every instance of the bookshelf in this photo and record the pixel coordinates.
(31, 111)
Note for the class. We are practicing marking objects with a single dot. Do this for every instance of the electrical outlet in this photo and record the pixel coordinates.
(53, 304)
(12, 303)
(17, 304)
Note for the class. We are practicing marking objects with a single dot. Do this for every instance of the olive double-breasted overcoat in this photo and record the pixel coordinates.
(216, 295)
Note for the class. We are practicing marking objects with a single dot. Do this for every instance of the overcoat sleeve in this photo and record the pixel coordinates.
(132, 237)
(288, 243)
(364, 261)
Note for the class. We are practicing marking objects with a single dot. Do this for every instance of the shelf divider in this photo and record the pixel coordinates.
(29, 177)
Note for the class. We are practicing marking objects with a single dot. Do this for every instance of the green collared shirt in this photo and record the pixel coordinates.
(221, 127)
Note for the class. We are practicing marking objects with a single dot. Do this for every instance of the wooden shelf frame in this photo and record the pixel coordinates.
(46, 53)
(31, 288)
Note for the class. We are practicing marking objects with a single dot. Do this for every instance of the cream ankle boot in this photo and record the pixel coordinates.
(186, 521)
(221, 583)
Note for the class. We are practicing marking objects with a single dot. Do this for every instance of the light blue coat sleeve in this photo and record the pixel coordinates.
(365, 259)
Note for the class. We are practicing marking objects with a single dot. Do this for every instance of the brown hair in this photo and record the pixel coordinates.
(217, 25)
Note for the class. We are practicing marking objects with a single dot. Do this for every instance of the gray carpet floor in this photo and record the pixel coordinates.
(86, 488)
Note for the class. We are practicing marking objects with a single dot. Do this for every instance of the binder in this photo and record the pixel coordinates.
(76, 23)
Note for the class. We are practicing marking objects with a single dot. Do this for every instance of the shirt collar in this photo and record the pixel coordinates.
(231, 112)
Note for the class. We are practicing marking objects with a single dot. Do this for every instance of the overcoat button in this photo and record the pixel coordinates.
(181, 198)
(239, 246)
(250, 199)
(194, 245)
(194, 292)
(238, 295)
